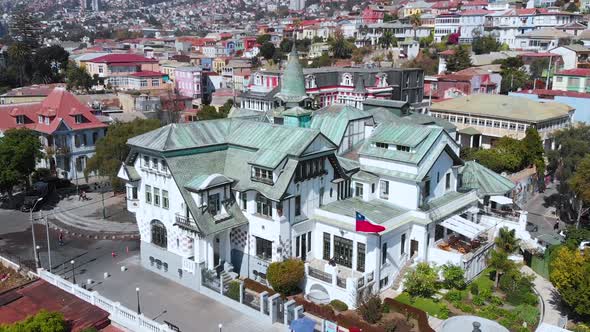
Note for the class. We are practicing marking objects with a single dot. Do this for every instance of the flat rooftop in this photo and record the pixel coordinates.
(504, 107)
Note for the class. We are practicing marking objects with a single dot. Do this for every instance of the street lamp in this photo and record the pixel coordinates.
(138, 308)
(73, 272)
(38, 255)
(33, 232)
(220, 326)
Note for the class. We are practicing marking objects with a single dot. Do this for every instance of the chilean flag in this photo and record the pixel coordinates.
(365, 226)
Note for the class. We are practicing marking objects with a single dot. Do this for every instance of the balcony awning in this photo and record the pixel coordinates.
(502, 200)
(463, 226)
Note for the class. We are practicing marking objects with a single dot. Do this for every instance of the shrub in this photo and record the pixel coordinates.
(466, 308)
(485, 293)
(479, 300)
(518, 288)
(444, 312)
(474, 289)
(42, 321)
(370, 308)
(489, 312)
(339, 305)
(421, 281)
(454, 277)
(496, 300)
(581, 327)
(527, 313)
(89, 329)
(389, 326)
(386, 308)
(233, 290)
(285, 276)
(454, 295)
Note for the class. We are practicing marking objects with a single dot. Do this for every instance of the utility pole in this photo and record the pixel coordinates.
(104, 212)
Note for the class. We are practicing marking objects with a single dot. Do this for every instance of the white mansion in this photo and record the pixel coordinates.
(234, 195)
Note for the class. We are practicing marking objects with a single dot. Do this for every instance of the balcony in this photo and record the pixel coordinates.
(184, 221)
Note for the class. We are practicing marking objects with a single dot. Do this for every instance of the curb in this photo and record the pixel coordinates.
(80, 233)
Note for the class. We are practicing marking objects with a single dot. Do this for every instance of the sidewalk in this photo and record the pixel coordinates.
(85, 217)
(551, 300)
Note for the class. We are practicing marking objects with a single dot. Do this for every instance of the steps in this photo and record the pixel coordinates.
(400, 276)
(226, 277)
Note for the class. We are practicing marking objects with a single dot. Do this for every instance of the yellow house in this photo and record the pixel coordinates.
(28, 94)
(219, 64)
(167, 67)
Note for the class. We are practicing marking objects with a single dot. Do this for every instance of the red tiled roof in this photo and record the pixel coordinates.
(540, 54)
(575, 72)
(526, 11)
(122, 58)
(147, 74)
(60, 105)
(556, 93)
(474, 12)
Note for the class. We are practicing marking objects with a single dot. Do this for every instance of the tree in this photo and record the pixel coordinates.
(77, 78)
(267, 50)
(514, 75)
(569, 274)
(285, 276)
(454, 276)
(538, 67)
(506, 240)
(424, 61)
(340, 47)
(421, 281)
(388, 17)
(572, 8)
(20, 149)
(24, 28)
(370, 307)
(387, 39)
(485, 44)
(460, 60)
(112, 150)
(415, 21)
(43, 321)
(534, 153)
(263, 39)
(580, 185)
(19, 56)
(209, 113)
(49, 63)
(323, 61)
(499, 261)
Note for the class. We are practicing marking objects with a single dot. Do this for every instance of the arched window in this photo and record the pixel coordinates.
(159, 237)
(347, 79)
(310, 82)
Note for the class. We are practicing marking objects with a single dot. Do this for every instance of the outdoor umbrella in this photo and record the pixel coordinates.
(303, 324)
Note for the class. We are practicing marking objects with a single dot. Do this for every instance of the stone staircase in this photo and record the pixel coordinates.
(400, 276)
(226, 273)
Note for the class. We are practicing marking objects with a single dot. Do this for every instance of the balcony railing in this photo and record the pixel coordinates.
(184, 220)
(321, 275)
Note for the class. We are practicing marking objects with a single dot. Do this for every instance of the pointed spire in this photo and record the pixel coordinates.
(293, 80)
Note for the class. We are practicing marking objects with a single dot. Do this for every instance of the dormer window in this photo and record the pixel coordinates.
(403, 148)
(347, 80)
(79, 118)
(382, 145)
(40, 119)
(47, 120)
(263, 175)
(20, 119)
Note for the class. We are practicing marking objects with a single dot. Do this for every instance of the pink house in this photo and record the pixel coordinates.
(190, 81)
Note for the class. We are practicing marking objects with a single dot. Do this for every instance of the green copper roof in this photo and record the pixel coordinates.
(333, 120)
(401, 134)
(293, 80)
(486, 181)
(377, 211)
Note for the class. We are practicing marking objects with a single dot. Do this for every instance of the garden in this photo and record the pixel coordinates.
(10, 279)
(501, 293)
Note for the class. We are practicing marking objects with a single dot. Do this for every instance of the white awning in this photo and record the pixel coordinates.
(502, 200)
(463, 226)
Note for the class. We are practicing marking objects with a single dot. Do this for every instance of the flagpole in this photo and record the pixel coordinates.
(379, 261)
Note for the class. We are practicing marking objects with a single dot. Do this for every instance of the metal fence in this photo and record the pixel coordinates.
(26, 263)
(252, 300)
(210, 280)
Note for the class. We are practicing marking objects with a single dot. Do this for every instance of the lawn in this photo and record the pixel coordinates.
(483, 281)
(424, 304)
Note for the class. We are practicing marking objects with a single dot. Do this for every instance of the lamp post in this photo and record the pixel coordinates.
(38, 255)
(48, 244)
(138, 307)
(220, 326)
(33, 233)
(73, 271)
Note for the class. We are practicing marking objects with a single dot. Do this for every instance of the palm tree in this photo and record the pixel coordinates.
(387, 39)
(415, 21)
(19, 55)
(499, 261)
(506, 240)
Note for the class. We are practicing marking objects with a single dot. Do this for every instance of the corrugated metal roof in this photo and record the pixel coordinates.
(486, 181)
(333, 120)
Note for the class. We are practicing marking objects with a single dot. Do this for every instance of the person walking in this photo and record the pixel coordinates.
(61, 238)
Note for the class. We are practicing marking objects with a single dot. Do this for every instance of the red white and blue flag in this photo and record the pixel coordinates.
(365, 226)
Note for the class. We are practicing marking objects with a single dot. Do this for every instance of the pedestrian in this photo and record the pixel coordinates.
(61, 238)
(556, 226)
